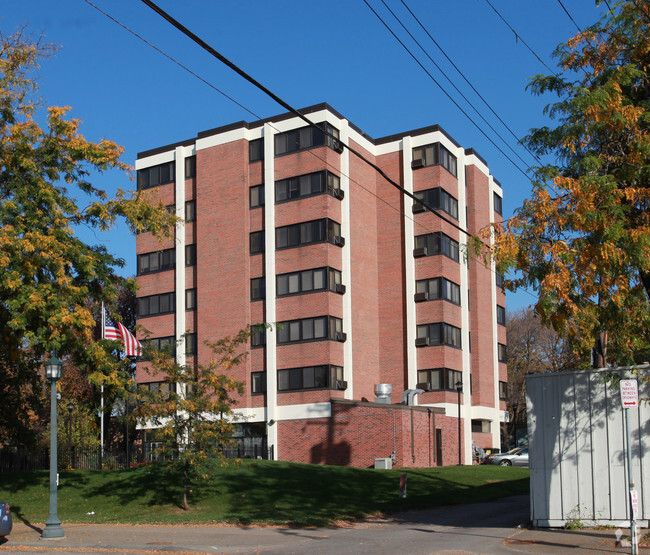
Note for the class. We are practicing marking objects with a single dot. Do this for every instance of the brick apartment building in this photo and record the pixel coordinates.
(284, 225)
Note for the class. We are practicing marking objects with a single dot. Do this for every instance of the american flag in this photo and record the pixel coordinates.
(117, 332)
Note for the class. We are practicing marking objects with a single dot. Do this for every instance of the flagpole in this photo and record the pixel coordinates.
(101, 404)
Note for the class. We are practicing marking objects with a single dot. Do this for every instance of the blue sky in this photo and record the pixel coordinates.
(306, 52)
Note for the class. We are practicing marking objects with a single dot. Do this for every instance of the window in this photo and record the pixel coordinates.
(190, 211)
(256, 150)
(306, 185)
(258, 335)
(164, 388)
(306, 137)
(438, 199)
(256, 195)
(310, 377)
(498, 204)
(168, 344)
(190, 167)
(434, 155)
(153, 305)
(158, 261)
(258, 289)
(437, 243)
(436, 289)
(156, 175)
(439, 379)
(481, 426)
(258, 382)
(257, 242)
(499, 279)
(502, 352)
(438, 334)
(501, 315)
(503, 391)
(306, 281)
(190, 254)
(190, 299)
(310, 329)
(307, 233)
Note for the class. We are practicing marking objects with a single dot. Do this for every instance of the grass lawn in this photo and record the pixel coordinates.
(254, 492)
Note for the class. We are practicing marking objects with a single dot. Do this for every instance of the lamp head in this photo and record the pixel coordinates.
(459, 386)
(53, 369)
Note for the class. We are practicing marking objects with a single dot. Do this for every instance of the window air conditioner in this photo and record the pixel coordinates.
(424, 385)
(417, 163)
(418, 207)
(419, 252)
(422, 342)
(339, 241)
(341, 385)
(340, 336)
(422, 296)
(339, 288)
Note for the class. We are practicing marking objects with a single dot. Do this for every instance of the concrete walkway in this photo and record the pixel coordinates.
(476, 528)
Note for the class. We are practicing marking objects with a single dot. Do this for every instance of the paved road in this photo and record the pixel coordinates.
(477, 528)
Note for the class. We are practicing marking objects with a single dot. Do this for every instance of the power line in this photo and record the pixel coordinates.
(569, 16)
(468, 81)
(520, 38)
(290, 108)
(442, 89)
(450, 81)
(172, 59)
(327, 163)
(435, 212)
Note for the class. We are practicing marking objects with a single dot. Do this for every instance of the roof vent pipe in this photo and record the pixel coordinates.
(408, 396)
(382, 393)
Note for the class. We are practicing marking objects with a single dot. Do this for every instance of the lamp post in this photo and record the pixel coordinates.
(53, 524)
(459, 388)
(70, 409)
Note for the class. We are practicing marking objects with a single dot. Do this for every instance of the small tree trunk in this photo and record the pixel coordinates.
(185, 487)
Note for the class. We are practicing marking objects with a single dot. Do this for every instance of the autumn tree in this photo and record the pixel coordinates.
(49, 274)
(583, 238)
(533, 348)
(191, 408)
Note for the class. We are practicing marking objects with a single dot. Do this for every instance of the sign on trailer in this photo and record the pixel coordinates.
(629, 393)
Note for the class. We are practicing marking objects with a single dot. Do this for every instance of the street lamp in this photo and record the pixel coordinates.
(53, 524)
(459, 388)
(70, 409)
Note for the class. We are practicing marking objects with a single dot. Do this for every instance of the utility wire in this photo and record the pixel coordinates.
(569, 16)
(429, 208)
(311, 152)
(442, 89)
(173, 60)
(291, 109)
(519, 141)
(451, 82)
(520, 38)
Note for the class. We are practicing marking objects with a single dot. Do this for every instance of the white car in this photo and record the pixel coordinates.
(515, 457)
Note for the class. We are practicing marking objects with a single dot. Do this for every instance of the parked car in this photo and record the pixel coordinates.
(5, 519)
(515, 457)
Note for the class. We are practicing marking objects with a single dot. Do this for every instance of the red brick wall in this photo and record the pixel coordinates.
(358, 433)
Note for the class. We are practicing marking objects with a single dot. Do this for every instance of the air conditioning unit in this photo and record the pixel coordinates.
(420, 297)
(419, 252)
(418, 163)
(338, 193)
(339, 241)
(340, 336)
(418, 207)
(339, 288)
(422, 342)
(336, 145)
(426, 386)
(341, 385)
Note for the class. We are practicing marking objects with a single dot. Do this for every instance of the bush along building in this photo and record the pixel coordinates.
(376, 312)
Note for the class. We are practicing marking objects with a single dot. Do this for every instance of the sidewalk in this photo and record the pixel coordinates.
(444, 529)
